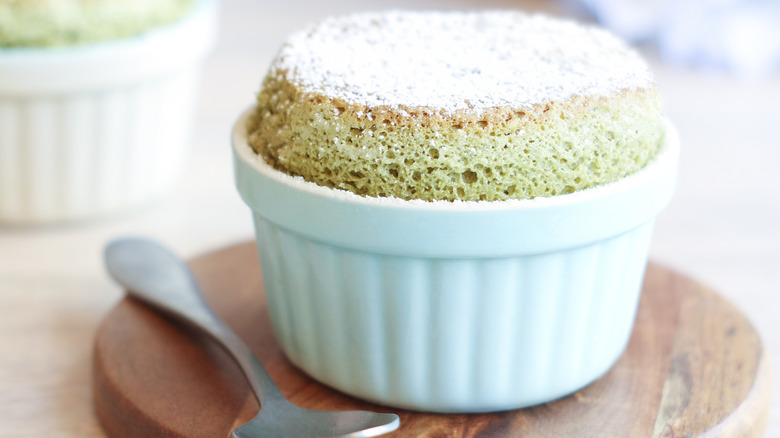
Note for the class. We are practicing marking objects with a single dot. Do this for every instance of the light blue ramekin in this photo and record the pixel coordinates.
(453, 307)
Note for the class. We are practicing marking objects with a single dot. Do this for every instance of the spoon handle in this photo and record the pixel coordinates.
(162, 280)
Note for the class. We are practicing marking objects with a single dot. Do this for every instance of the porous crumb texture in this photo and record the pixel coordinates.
(456, 106)
(46, 23)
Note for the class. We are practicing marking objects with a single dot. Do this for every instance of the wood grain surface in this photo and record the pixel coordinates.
(694, 367)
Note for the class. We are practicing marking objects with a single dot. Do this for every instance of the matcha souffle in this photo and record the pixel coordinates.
(457, 106)
(43, 23)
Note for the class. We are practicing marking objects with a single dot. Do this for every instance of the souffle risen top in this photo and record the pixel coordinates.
(457, 106)
(48, 23)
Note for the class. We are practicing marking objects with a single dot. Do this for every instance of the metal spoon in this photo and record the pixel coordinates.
(162, 280)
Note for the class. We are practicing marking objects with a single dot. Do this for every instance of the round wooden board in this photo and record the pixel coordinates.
(694, 367)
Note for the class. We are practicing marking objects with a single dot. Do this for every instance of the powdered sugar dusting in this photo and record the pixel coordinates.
(453, 61)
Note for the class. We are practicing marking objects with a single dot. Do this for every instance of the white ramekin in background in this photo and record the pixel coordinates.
(453, 307)
(92, 129)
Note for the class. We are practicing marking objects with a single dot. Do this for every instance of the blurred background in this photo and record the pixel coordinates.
(715, 61)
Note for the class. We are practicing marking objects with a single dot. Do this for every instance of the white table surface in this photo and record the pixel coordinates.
(722, 227)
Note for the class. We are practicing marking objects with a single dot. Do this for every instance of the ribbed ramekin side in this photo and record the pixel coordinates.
(452, 335)
(73, 156)
(327, 310)
(617, 284)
